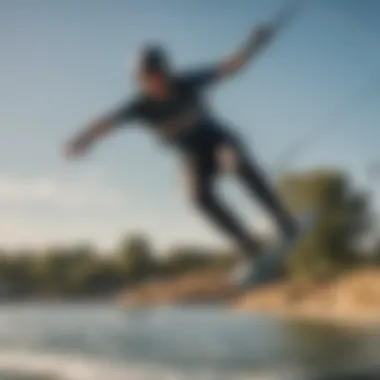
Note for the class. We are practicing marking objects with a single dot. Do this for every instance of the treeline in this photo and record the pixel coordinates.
(334, 245)
(79, 271)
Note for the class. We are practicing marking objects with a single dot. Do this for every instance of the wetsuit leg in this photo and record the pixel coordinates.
(258, 185)
(201, 173)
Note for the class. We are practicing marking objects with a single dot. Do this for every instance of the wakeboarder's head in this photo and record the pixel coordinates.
(154, 70)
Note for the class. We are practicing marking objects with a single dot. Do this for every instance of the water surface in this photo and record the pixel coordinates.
(91, 342)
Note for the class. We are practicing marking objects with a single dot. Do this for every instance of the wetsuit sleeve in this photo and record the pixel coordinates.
(126, 113)
(202, 77)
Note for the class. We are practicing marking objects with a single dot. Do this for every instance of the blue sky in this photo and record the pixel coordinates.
(63, 63)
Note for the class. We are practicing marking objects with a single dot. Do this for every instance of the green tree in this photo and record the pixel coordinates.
(135, 257)
(82, 264)
(181, 259)
(343, 217)
(51, 269)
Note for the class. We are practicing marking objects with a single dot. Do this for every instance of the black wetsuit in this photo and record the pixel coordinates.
(186, 122)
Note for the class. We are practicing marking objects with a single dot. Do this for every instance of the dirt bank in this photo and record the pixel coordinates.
(196, 287)
(349, 297)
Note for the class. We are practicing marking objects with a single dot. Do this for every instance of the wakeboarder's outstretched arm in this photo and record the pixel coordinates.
(235, 62)
(82, 141)
(99, 128)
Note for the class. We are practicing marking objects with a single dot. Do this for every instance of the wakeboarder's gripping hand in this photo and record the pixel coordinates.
(258, 39)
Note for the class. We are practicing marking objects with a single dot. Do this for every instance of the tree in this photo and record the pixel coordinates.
(181, 259)
(135, 257)
(343, 217)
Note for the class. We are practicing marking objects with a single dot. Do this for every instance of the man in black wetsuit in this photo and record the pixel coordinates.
(172, 105)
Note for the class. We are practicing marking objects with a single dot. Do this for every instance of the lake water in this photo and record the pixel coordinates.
(103, 342)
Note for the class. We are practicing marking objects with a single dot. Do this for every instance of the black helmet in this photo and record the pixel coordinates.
(153, 58)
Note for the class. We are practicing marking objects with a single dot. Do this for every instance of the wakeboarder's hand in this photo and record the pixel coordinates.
(261, 35)
(76, 147)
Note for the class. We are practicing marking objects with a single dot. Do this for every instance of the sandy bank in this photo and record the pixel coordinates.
(353, 297)
(195, 287)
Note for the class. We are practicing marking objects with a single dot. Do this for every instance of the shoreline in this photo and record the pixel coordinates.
(350, 300)
(367, 322)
